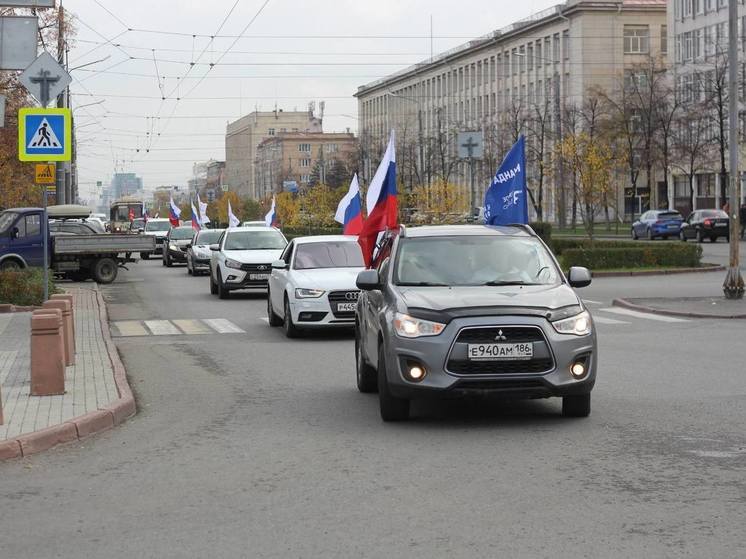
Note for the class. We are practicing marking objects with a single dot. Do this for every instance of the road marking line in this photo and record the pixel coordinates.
(592, 302)
(192, 327)
(223, 326)
(130, 328)
(647, 316)
(264, 319)
(604, 320)
(162, 328)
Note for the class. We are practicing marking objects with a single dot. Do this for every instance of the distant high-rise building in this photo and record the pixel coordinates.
(244, 136)
(125, 184)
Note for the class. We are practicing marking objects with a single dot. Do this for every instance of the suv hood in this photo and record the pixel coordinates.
(254, 256)
(329, 279)
(547, 297)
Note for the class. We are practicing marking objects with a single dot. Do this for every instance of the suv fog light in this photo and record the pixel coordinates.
(578, 369)
(415, 372)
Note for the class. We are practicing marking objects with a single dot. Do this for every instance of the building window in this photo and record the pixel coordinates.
(706, 185)
(636, 39)
(681, 187)
(282, 130)
(304, 148)
(566, 45)
(305, 162)
(687, 8)
(305, 178)
(556, 48)
(271, 132)
(664, 39)
(331, 148)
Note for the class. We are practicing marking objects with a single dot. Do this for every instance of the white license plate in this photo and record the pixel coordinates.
(500, 352)
(346, 307)
(673, 226)
(258, 277)
(721, 225)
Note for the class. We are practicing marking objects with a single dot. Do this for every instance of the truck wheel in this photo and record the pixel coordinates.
(10, 265)
(105, 270)
(576, 406)
(145, 255)
(392, 408)
(366, 375)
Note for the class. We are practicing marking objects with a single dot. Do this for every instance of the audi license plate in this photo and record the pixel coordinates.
(500, 352)
(259, 277)
(721, 225)
(346, 307)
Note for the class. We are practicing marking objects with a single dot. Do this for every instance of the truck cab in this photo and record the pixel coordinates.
(21, 238)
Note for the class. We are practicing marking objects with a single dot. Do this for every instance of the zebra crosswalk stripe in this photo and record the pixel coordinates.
(176, 327)
(223, 326)
(162, 328)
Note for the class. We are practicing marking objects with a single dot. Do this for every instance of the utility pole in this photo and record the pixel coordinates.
(60, 178)
(562, 199)
(733, 285)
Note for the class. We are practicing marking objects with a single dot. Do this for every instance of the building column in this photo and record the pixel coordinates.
(717, 191)
(695, 185)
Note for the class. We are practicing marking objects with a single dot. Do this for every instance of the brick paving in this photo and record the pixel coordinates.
(89, 384)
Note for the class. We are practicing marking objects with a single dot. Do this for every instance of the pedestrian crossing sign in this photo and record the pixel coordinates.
(44, 134)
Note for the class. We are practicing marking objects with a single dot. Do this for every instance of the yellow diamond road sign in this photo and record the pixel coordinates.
(45, 174)
(44, 134)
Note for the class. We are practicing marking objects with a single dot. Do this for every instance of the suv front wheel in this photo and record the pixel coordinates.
(366, 375)
(576, 406)
(392, 408)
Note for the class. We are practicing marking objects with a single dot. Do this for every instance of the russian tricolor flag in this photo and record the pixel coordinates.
(270, 220)
(350, 210)
(174, 213)
(195, 219)
(381, 203)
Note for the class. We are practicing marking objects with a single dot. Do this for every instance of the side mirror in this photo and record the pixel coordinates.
(188, 245)
(579, 277)
(215, 247)
(141, 230)
(368, 280)
(279, 265)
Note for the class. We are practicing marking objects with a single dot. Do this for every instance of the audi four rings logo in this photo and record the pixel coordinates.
(500, 336)
(351, 296)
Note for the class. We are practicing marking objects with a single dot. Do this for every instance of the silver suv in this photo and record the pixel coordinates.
(469, 309)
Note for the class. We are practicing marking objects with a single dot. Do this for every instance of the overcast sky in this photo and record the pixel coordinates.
(291, 54)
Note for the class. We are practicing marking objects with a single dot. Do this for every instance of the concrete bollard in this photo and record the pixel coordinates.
(47, 353)
(67, 328)
(66, 297)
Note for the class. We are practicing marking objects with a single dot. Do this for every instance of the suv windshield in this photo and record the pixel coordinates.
(181, 233)
(474, 260)
(157, 226)
(335, 254)
(6, 220)
(208, 237)
(255, 240)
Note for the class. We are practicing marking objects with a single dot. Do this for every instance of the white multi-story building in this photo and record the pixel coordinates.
(548, 62)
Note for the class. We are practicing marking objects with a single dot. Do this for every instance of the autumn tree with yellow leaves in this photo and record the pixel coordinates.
(441, 202)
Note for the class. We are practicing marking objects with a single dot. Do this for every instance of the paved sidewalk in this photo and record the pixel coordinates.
(90, 384)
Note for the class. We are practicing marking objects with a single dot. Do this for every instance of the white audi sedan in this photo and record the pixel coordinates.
(242, 258)
(313, 284)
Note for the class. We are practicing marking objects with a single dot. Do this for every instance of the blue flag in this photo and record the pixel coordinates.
(505, 201)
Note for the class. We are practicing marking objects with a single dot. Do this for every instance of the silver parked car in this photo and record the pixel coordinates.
(457, 310)
(198, 252)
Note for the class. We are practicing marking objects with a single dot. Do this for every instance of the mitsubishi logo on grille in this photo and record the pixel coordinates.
(352, 295)
(261, 267)
(500, 336)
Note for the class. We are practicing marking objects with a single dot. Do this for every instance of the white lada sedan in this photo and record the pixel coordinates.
(313, 284)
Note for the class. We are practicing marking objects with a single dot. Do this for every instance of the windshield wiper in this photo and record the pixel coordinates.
(509, 282)
(422, 284)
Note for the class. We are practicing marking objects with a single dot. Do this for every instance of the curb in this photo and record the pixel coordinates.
(701, 270)
(78, 428)
(650, 310)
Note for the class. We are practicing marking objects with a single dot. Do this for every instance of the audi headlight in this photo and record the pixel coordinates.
(308, 293)
(578, 325)
(230, 263)
(409, 327)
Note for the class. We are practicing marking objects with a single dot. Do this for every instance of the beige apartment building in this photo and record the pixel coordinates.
(292, 156)
(243, 136)
(547, 61)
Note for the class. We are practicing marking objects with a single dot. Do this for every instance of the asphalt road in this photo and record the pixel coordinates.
(251, 445)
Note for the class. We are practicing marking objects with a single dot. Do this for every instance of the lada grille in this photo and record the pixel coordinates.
(257, 268)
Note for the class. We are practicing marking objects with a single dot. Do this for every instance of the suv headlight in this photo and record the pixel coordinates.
(578, 325)
(409, 327)
(230, 263)
(301, 293)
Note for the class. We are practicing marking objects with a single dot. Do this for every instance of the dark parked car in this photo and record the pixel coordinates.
(705, 224)
(176, 243)
(657, 223)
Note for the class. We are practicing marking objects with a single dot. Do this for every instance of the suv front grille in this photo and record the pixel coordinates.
(542, 362)
(343, 297)
(257, 268)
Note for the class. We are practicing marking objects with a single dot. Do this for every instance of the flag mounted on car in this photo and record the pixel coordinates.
(506, 199)
(196, 225)
(381, 202)
(270, 220)
(350, 211)
(174, 213)
(232, 219)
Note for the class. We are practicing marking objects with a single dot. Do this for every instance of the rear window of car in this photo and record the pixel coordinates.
(157, 226)
(208, 237)
(714, 213)
(669, 215)
(181, 233)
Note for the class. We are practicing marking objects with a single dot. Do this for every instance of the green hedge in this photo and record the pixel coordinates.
(24, 287)
(609, 255)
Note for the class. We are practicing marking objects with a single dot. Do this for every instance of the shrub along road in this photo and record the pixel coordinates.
(251, 445)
